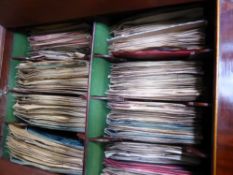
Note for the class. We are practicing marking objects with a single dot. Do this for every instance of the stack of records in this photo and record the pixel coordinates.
(159, 132)
(46, 151)
(61, 77)
(158, 80)
(150, 153)
(171, 29)
(154, 122)
(134, 168)
(52, 111)
(145, 158)
(61, 46)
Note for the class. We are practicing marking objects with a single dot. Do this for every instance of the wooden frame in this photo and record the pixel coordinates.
(224, 101)
(223, 130)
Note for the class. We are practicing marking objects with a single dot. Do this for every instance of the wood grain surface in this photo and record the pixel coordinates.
(8, 168)
(15, 13)
(224, 140)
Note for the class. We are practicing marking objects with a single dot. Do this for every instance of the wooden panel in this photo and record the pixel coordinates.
(224, 149)
(5, 47)
(8, 168)
(2, 39)
(14, 13)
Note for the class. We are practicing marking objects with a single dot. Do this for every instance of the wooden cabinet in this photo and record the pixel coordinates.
(15, 15)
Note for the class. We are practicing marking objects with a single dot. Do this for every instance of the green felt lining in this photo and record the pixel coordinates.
(98, 108)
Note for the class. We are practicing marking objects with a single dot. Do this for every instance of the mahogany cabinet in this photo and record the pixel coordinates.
(16, 15)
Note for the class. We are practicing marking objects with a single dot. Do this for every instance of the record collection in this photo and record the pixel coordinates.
(50, 95)
(151, 126)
